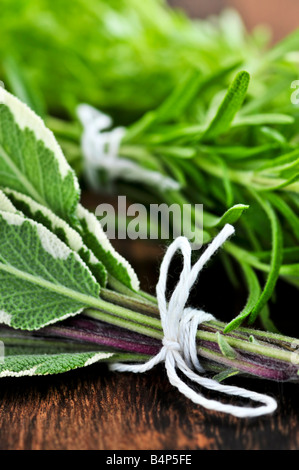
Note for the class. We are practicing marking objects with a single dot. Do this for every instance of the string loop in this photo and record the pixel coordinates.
(101, 151)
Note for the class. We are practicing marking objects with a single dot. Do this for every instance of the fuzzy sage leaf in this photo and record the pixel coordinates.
(95, 238)
(45, 364)
(59, 227)
(42, 279)
(31, 160)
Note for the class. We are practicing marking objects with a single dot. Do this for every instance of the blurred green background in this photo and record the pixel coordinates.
(124, 56)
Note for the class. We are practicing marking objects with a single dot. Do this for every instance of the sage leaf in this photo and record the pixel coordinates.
(45, 364)
(5, 204)
(31, 160)
(32, 163)
(95, 238)
(59, 227)
(41, 279)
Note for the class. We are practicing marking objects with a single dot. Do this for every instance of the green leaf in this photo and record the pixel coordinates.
(60, 228)
(253, 340)
(225, 348)
(273, 134)
(266, 321)
(45, 364)
(281, 161)
(231, 216)
(276, 258)
(290, 216)
(5, 204)
(32, 162)
(41, 279)
(94, 237)
(175, 105)
(262, 119)
(290, 270)
(229, 107)
(253, 298)
(176, 152)
(287, 44)
(239, 152)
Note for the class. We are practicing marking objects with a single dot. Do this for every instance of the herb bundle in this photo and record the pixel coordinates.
(241, 160)
(60, 302)
(226, 136)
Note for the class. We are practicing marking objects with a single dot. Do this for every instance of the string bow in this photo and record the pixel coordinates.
(100, 149)
(180, 324)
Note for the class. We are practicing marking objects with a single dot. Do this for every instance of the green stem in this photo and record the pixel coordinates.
(125, 323)
(242, 343)
(133, 303)
(118, 286)
(125, 313)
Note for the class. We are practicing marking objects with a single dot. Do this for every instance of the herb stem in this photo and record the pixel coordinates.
(258, 358)
(126, 323)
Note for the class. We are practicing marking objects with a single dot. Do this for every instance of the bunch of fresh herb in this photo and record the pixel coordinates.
(238, 156)
(236, 152)
(110, 54)
(67, 299)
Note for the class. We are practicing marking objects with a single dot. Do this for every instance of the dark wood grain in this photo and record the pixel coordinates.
(95, 409)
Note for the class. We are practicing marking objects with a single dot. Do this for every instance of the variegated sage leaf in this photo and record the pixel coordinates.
(41, 279)
(45, 364)
(32, 162)
(59, 227)
(95, 238)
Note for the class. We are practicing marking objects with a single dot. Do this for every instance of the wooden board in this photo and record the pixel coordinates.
(96, 409)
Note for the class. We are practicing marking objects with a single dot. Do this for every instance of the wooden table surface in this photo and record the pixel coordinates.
(94, 409)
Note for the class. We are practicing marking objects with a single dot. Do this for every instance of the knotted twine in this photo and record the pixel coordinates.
(101, 151)
(180, 324)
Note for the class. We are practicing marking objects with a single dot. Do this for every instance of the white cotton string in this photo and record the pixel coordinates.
(180, 325)
(101, 151)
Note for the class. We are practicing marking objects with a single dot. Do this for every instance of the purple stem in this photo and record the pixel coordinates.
(95, 332)
(249, 363)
